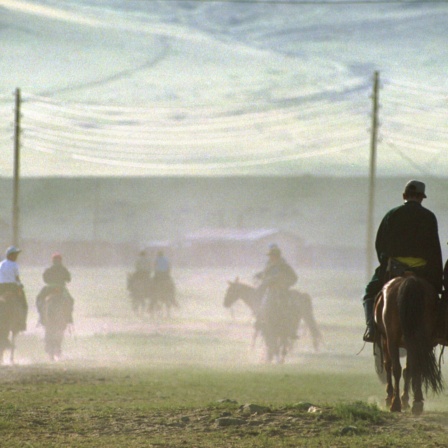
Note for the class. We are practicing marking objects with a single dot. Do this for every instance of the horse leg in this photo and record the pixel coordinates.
(407, 381)
(278, 350)
(396, 371)
(284, 350)
(4, 344)
(13, 347)
(269, 343)
(388, 369)
(269, 356)
(417, 404)
(49, 343)
(254, 338)
(58, 338)
(270, 352)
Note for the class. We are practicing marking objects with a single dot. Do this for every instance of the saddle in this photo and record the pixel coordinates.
(396, 269)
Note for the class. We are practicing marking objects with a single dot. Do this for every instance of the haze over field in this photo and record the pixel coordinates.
(213, 88)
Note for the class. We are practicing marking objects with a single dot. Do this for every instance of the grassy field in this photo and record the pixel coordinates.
(193, 381)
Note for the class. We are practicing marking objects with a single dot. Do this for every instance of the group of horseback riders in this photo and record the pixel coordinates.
(55, 278)
(155, 276)
(407, 241)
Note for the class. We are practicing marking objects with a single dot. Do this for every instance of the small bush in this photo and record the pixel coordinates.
(359, 410)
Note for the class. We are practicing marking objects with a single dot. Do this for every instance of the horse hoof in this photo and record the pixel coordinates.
(417, 408)
(396, 406)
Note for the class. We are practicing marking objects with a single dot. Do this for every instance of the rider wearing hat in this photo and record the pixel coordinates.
(407, 239)
(276, 279)
(10, 281)
(277, 272)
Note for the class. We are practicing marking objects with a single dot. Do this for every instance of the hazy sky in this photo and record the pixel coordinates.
(211, 88)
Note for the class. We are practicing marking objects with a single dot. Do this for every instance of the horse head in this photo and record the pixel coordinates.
(232, 293)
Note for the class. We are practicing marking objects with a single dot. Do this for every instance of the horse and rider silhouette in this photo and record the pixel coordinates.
(281, 322)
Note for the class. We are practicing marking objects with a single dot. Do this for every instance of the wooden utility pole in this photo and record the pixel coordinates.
(372, 173)
(15, 202)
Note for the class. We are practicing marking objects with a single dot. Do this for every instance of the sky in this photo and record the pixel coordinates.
(223, 88)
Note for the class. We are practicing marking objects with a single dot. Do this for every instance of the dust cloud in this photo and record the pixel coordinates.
(201, 332)
(213, 230)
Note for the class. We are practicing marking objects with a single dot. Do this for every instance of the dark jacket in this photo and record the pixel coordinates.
(411, 230)
(278, 275)
(56, 275)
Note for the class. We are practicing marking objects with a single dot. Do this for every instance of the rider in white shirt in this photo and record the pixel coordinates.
(10, 280)
(9, 268)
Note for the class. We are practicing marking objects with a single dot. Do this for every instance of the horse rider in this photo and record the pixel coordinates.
(162, 274)
(276, 279)
(10, 282)
(143, 266)
(55, 278)
(407, 240)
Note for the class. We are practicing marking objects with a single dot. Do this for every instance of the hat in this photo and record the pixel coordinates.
(56, 256)
(12, 250)
(415, 187)
(274, 250)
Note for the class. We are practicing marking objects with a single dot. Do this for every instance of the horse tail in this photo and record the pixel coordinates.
(422, 363)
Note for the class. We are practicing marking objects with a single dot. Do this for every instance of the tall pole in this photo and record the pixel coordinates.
(372, 174)
(15, 204)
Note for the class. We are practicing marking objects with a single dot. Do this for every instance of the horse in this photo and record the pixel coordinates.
(139, 288)
(55, 314)
(12, 316)
(406, 316)
(163, 294)
(279, 333)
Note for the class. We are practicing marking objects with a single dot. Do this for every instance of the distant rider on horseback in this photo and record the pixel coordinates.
(407, 240)
(276, 279)
(163, 281)
(10, 281)
(55, 278)
(142, 272)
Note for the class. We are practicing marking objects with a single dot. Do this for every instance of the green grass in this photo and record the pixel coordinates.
(57, 405)
(136, 382)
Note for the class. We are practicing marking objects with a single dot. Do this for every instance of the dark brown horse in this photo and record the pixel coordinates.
(406, 317)
(139, 288)
(163, 295)
(12, 316)
(278, 335)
